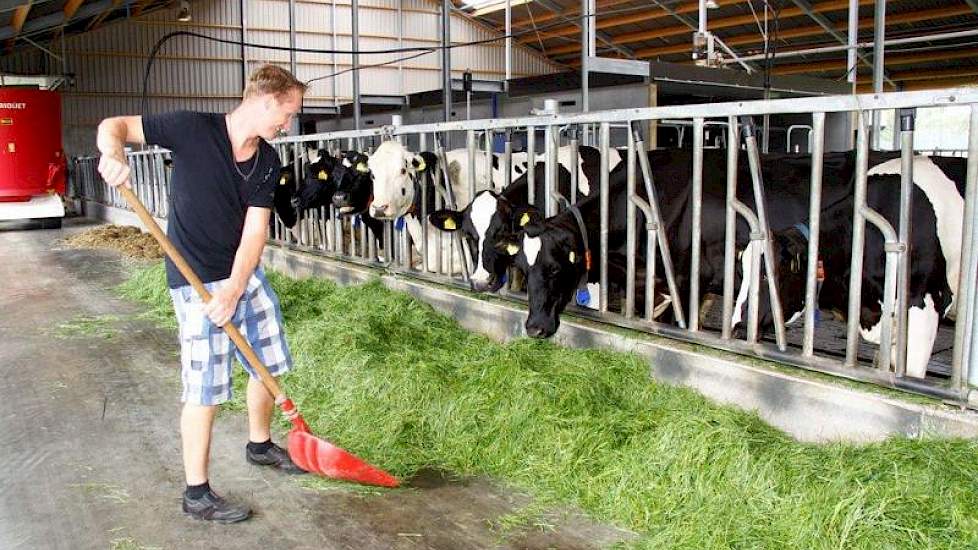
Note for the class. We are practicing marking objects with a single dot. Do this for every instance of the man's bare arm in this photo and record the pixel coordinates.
(222, 306)
(113, 134)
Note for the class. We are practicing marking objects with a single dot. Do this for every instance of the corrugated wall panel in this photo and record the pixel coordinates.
(190, 73)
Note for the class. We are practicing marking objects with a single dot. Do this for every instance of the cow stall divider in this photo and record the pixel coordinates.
(554, 139)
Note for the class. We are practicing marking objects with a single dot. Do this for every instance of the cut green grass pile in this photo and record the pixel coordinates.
(386, 377)
(87, 326)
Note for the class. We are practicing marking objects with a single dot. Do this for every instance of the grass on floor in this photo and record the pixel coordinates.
(388, 378)
(88, 326)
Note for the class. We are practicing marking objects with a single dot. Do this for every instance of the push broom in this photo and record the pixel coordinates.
(307, 451)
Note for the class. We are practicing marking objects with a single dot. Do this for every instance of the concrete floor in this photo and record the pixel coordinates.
(90, 445)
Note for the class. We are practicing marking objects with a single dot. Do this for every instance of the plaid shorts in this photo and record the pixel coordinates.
(205, 349)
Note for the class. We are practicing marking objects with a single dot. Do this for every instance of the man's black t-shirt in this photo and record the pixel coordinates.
(208, 197)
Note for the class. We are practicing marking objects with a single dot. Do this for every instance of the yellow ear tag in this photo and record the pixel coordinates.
(362, 168)
(525, 219)
(281, 181)
(450, 224)
(322, 175)
(512, 249)
(421, 165)
(573, 257)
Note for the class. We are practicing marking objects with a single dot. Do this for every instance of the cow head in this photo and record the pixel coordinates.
(790, 266)
(552, 256)
(486, 221)
(354, 185)
(285, 196)
(395, 173)
(319, 184)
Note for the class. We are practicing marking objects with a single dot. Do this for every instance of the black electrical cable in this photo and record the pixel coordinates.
(418, 50)
(351, 69)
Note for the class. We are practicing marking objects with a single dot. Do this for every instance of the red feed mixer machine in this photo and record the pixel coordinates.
(32, 162)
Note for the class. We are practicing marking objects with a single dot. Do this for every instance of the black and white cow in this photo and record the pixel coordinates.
(316, 189)
(787, 184)
(394, 171)
(552, 279)
(318, 185)
(354, 192)
(493, 215)
(937, 211)
(552, 253)
(284, 197)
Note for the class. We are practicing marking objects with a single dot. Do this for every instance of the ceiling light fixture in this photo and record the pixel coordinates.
(184, 14)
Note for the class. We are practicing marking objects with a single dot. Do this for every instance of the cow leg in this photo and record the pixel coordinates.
(921, 332)
(922, 323)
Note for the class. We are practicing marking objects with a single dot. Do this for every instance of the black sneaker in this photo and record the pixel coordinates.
(211, 507)
(274, 456)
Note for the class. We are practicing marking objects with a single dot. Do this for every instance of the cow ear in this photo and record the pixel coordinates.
(526, 216)
(508, 245)
(419, 164)
(446, 220)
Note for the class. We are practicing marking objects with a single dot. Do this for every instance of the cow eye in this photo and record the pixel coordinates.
(404, 191)
(403, 171)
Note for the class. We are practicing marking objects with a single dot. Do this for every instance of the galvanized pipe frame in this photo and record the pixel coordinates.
(652, 232)
(818, 136)
(893, 247)
(655, 215)
(807, 105)
(760, 205)
(884, 101)
(964, 366)
(694, 270)
(814, 227)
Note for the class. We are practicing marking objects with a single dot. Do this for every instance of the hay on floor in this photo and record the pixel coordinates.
(130, 241)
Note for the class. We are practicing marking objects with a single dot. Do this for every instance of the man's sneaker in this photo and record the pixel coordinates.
(274, 456)
(214, 508)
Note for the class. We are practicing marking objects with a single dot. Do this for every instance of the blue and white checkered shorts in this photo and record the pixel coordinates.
(205, 349)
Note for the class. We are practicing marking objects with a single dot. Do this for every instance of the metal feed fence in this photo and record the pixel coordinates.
(445, 258)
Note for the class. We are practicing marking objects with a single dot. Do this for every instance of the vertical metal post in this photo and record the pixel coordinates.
(332, 26)
(531, 166)
(814, 219)
(906, 117)
(592, 28)
(694, 270)
(446, 57)
(760, 204)
(509, 42)
(586, 22)
(508, 159)
(487, 145)
(292, 63)
(355, 22)
(964, 359)
(575, 161)
(470, 150)
(730, 234)
(852, 54)
(879, 35)
(400, 44)
(243, 12)
(858, 243)
(655, 224)
(550, 159)
(605, 177)
(630, 232)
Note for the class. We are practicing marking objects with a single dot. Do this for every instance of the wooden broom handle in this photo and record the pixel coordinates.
(270, 384)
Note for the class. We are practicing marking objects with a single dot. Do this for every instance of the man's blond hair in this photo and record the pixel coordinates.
(272, 79)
